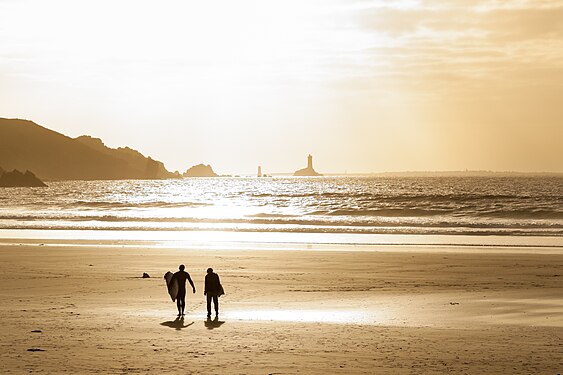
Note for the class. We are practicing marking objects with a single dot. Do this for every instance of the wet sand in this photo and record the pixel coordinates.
(84, 308)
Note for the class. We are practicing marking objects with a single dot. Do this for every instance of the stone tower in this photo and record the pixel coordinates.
(309, 171)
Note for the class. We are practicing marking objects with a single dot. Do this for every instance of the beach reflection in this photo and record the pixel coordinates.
(310, 316)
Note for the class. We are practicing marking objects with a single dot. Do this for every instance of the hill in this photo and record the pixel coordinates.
(24, 145)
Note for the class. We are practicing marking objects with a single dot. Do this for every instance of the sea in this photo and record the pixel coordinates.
(468, 206)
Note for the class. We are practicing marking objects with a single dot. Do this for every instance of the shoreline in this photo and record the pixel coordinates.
(228, 239)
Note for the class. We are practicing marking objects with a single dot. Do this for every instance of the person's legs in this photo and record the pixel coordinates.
(216, 303)
(208, 305)
(181, 302)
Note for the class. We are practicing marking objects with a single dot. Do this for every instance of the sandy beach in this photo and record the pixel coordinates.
(378, 184)
(84, 308)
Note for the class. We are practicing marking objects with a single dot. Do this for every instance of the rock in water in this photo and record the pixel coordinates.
(200, 170)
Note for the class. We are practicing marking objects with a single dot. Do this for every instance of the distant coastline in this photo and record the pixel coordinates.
(52, 156)
(434, 174)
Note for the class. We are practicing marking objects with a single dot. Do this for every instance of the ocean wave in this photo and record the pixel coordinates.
(264, 215)
(285, 229)
(130, 205)
(524, 213)
(530, 213)
(408, 197)
(390, 212)
(289, 220)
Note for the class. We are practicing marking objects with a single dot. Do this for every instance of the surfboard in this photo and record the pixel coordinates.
(171, 285)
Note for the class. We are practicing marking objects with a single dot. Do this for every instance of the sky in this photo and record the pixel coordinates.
(362, 85)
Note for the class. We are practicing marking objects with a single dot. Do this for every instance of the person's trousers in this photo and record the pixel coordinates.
(215, 302)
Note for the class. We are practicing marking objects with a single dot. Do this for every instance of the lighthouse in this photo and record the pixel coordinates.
(309, 171)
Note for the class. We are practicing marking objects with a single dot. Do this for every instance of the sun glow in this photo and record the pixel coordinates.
(207, 47)
(389, 85)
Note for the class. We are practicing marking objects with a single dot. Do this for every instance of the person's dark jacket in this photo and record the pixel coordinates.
(213, 285)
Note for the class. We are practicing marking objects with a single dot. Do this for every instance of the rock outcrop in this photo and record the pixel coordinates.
(200, 170)
(17, 179)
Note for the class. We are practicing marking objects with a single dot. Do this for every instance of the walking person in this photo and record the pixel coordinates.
(213, 290)
(181, 276)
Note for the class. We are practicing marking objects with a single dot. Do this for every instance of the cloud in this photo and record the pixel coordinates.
(447, 43)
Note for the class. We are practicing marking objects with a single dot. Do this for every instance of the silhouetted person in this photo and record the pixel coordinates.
(213, 290)
(181, 277)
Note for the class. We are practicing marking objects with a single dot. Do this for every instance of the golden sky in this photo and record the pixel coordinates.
(365, 86)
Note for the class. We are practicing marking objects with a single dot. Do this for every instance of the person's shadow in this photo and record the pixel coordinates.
(212, 324)
(178, 323)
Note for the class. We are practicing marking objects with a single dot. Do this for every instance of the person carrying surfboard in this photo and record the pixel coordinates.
(213, 290)
(180, 277)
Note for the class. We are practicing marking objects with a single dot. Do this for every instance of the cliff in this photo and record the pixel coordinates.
(25, 145)
(200, 170)
(18, 179)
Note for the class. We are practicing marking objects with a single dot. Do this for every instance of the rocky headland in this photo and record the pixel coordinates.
(24, 145)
